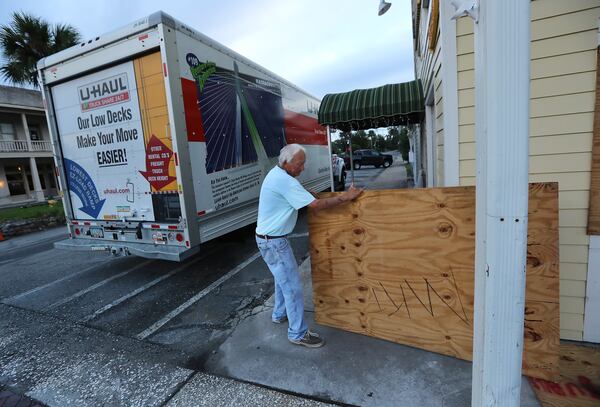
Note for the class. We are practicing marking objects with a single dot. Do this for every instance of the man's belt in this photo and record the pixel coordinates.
(267, 237)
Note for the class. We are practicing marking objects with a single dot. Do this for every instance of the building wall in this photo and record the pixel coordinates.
(563, 72)
(429, 70)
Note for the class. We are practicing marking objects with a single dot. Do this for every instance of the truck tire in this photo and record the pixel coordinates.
(387, 163)
(357, 165)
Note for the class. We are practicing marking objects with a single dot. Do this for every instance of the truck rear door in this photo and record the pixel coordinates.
(113, 131)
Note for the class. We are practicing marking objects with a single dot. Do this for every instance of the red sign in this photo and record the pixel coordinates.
(158, 157)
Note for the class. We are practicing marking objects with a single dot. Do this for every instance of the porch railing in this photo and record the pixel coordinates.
(19, 146)
(41, 146)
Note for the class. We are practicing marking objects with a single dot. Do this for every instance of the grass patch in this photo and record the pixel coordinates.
(32, 212)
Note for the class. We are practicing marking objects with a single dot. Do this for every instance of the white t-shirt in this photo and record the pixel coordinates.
(281, 195)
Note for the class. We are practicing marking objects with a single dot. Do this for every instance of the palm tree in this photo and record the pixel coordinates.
(26, 40)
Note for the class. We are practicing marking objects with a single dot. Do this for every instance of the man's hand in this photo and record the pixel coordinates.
(324, 203)
(352, 193)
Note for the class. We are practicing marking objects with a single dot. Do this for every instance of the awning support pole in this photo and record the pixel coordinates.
(502, 58)
(330, 160)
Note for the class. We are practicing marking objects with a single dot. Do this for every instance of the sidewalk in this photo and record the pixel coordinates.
(350, 368)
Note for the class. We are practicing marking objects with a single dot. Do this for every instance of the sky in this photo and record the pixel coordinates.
(322, 46)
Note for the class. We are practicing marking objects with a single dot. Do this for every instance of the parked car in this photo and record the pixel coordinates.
(369, 157)
(339, 172)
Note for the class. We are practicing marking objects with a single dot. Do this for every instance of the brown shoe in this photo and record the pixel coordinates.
(309, 340)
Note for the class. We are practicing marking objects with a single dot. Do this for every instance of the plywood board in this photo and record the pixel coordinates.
(579, 384)
(594, 211)
(398, 265)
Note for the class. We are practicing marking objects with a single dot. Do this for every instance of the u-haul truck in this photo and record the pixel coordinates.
(162, 138)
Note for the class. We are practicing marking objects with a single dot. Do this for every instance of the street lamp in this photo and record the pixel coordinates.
(383, 7)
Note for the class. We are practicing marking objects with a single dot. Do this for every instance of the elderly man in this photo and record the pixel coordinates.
(281, 196)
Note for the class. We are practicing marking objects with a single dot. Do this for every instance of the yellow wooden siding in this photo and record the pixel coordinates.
(464, 44)
(466, 79)
(572, 305)
(564, 104)
(561, 143)
(572, 288)
(563, 85)
(564, 64)
(544, 9)
(573, 254)
(573, 322)
(571, 335)
(563, 70)
(547, 145)
(566, 44)
(466, 97)
(567, 181)
(562, 124)
(573, 218)
(466, 115)
(573, 271)
(574, 235)
(575, 20)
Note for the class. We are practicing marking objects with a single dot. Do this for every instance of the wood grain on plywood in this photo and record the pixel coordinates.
(398, 265)
(594, 210)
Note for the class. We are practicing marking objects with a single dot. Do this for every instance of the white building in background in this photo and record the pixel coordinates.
(26, 160)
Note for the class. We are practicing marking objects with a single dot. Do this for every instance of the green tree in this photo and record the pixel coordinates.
(360, 139)
(26, 40)
(392, 139)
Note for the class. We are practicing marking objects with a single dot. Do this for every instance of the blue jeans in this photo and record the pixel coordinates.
(289, 300)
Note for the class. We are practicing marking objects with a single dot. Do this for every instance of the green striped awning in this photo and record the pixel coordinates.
(360, 109)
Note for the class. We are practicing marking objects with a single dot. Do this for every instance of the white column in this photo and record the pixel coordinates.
(37, 185)
(26, 130)
(35, 176)
(502, 37)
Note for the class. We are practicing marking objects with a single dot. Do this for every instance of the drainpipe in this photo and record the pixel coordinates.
(502, 58)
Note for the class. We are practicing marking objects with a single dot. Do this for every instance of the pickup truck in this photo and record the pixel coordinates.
(368, 157)
(338, 166)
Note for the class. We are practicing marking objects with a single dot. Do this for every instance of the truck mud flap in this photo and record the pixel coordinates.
(149, 251)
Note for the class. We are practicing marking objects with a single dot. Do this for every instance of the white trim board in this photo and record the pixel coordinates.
(449, 94)
(591, 322)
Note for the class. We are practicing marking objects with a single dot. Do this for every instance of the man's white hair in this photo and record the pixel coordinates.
(288, 152)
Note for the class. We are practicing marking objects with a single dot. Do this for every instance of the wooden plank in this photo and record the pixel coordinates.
(398, 265)
(594, 210)
(579, 384)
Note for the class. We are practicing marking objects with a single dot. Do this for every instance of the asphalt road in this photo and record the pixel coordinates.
(177, 312)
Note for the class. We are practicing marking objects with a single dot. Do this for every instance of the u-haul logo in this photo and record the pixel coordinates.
(105, 92)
